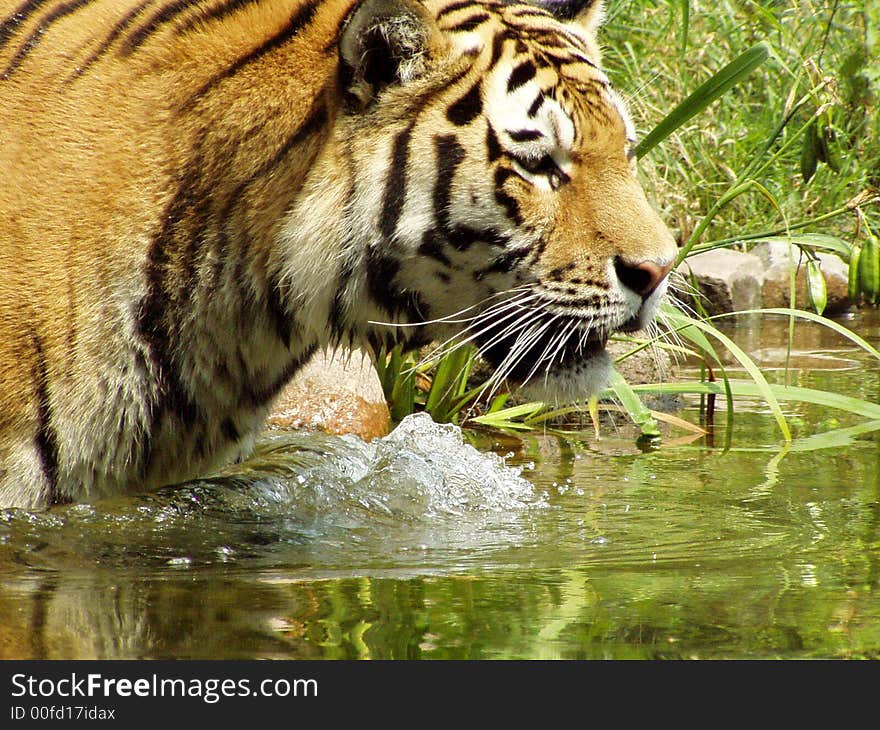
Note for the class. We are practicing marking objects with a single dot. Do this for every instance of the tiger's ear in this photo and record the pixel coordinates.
(587, 13)
(384, 42)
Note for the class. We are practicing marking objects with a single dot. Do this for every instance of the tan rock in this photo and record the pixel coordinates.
(337, 393)
(651, 365)
(776, 286)
(728, 280)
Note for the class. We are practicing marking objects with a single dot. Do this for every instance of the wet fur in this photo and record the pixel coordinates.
(199, 195)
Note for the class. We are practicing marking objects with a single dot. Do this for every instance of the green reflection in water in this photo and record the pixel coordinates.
(684, 551)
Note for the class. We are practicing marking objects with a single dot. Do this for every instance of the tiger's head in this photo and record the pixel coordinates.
(492, 178)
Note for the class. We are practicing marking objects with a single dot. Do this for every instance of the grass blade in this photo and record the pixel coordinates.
(507, 417)
(685, 26)
(804, 314)
(703, 96)
(752, 389)
(633, 405)
(753, 370)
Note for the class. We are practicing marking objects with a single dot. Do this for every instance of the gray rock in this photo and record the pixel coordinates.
(777, 259)
(650, 365)
(727, 280)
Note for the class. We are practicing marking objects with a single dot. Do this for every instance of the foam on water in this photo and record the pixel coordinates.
(427, 468)
(302, 498)
(422, 469)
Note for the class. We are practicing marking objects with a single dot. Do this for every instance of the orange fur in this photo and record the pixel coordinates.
(196, 197)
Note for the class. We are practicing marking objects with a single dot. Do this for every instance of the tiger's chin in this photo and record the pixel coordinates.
(571, 382)
(564, 375)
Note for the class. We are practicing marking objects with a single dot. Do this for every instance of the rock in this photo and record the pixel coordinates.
(337, 393)
(728, 280)
(650, 365)
(776, 261)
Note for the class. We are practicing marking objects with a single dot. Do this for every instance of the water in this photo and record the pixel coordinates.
(420, 546)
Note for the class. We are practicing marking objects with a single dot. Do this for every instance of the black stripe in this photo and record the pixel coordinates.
(537, 250)
(536, 104)
(37, 34)
(156, 325)
(510, 204)
(453, 7)
(46, 439)
(218, 12)
(115, 32)
(503, 264)
(279, 312)
(468, 107)
(533, 12)
(338, 307)
(575, 41)
(161, 17)
(256, 398)
(229, 430)
(559, 272)
(17, 18)
(395, 184)
(301, 18)
(381, 272)
(492, 144)
(450, 154)
(432, 245)
(549, 39)
(468, 24)
(558, 59)
(221, 247)
(498, 47)
(183, 224)
(463, 237)
(314, 122)
(277, 309)
(524, 135)
(522, 74)
(194, 236)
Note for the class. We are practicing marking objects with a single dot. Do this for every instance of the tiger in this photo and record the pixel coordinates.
(198, 195)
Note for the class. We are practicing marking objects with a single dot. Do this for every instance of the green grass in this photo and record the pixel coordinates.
(760, 120)
(821, 52)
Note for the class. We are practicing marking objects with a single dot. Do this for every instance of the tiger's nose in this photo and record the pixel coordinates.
(643, 277)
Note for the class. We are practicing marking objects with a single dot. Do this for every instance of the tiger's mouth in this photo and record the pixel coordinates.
(553, 353)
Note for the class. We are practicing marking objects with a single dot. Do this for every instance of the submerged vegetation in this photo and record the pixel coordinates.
(762, 121)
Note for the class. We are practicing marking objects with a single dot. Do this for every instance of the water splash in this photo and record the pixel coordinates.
(427, 469)
(421, 470)
(302, 498)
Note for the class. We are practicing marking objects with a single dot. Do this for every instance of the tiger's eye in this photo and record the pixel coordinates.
(546, 166)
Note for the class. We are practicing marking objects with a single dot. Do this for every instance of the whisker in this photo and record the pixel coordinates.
(450, 318)
(565, 336)
(517, 308)
(518, 350)
(537, 364)
(441, 350)
(497, 377)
